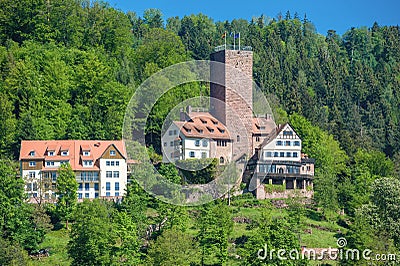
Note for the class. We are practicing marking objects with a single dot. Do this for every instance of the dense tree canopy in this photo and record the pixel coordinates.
(68, 69)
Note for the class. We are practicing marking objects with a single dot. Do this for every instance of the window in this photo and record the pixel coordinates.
(238, 138)
(112, 153)
(87, 163)
(108, 163)
(287, 143)
(32, 153)
(171, 144)
(32, 174)
(32, 164)
(222, 143)
(276, 154)
(112, 163)
(116, 186)
(80, 187)
(165, 144)
(281, 154)
(257, 139)
(64, 153)
(174, 131)
(221, 160)
(29, 186)
(49, 163)
(86, 153)
(308, 168)
(87, 186)
(108, 194)
(288, 154)
(117, 163)
(117, 194)
(35, 187)
(191, 154)
(116, 174)
(108, 174)
(86, 195)
(204, 155)
(287, 133)
(268, 154)
(96, 195)
(108, 186)
(79, 195)
(50, 153)
(279, 143)
(53, 176)
(197, 143)
(297, 143)
(170, 132)
(96, 186)
(295, 154)
(205, 143)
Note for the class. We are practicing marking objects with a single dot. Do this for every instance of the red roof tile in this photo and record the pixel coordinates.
(97, 148)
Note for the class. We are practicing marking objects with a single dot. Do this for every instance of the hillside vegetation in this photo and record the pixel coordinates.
(68, 69)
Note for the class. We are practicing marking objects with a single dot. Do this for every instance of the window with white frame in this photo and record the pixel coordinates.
(116, 174)
(205, 143)
(87, 163)
(86, 153)
(112, 153)
(108, 174)
(32, 164)
(191, 154)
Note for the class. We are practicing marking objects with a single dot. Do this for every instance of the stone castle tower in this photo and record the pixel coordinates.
(231, 95)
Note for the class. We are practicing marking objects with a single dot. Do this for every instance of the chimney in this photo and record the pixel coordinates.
(182, 115)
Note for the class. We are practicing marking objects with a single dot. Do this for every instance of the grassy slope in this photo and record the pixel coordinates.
(323, 233)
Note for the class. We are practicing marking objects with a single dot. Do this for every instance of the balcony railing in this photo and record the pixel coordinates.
(87, 178)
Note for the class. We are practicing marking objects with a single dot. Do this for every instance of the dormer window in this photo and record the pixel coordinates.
(262, 128)
(32, 153)
(221, 130)
(203, 121)
(50, 153)
(64, 153)
(112, 153)
(86, 153)
(87, 163)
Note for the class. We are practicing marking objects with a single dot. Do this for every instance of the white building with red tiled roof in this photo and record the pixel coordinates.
(100, 167)
(198, 135)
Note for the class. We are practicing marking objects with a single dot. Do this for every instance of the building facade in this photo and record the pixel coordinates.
(100, 167)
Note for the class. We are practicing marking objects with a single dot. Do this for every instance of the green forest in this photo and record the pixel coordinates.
(68, 70)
